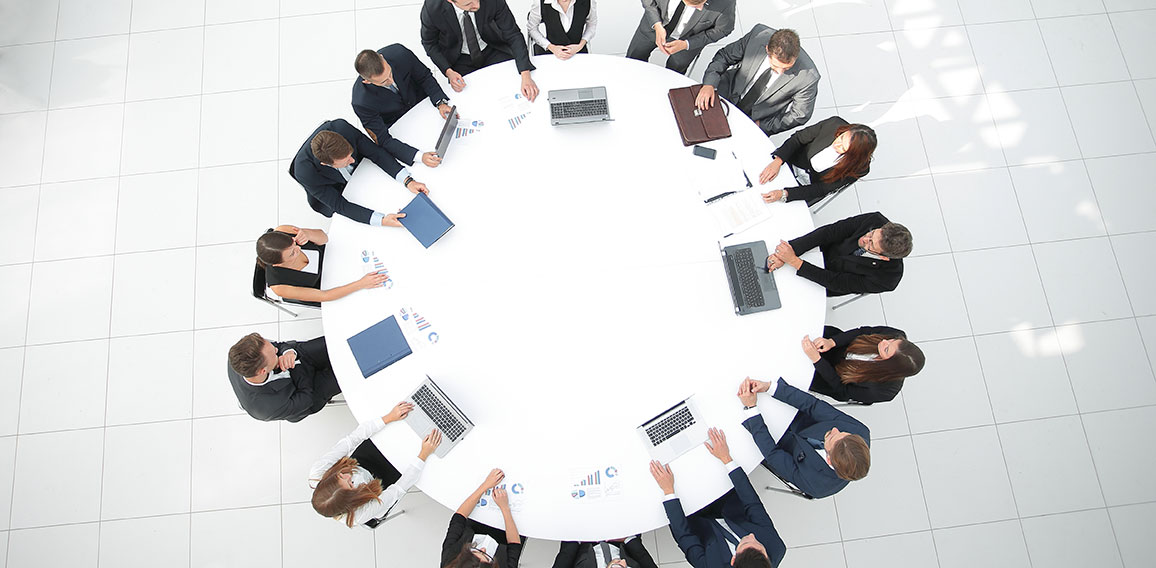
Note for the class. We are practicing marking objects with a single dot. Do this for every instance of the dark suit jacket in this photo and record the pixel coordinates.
(310, 385)
(324, 184)
(713, 22)
(581, 554)
(846, 273)
(801, 147)
(792, 457)
(701, 539)
(379, 107)
(441, 32)
(462, 531)
(826, 380)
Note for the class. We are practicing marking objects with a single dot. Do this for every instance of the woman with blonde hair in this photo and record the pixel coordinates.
(865, 365)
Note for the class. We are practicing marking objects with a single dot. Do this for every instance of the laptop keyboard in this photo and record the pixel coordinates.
(668, 427)
(575, 109)
(744, 262)
(441, 416)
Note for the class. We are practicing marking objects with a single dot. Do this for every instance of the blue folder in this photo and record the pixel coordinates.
(379, 346)
(425, 221)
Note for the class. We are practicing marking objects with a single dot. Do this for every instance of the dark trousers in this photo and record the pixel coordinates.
(490, 56)
(325, 384)
(642, 45)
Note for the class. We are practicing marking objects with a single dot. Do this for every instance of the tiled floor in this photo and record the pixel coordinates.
(1017, 138)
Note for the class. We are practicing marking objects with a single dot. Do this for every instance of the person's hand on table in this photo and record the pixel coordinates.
(771, 171)
(391, 220)
(705, 98)
(372, 280)
(772, 196)
(501, 498)
(431, 159)
(673, 47)
(663, 476)
(494, 478)
(287, 360)
(457, 83)
(809, 349)
(401, 410)
(429, 444)
(529, 87)
(415, 186)
(774, 263)
(559, 51)
(786, 253)
(717, 445)
(444, 110)
(747, 393)
(575, 48)
(823, 345)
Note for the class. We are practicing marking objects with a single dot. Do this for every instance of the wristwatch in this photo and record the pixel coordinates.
(442, 102)
(750, 407)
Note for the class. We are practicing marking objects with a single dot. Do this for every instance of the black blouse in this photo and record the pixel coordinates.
(461, 531)
(280, 276)
(826, 380)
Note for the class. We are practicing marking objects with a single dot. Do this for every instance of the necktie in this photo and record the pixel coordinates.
(346, 172)
(817, 444)
(674, 18)
(471, 39)
(753, 93)
(393, 87)
(607, 557)
(860, 251)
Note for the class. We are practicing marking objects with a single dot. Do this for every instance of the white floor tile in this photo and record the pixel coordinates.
(959, 134)
(1124, 5)
(912, 201)
(70, 312)
(292, 206)
(142, 302)
(15, 283)
(1087, 347)
(915, 14)
(148, 15)
(1050, 466)
(229, 44)
(45, 463)
(1097, 294)
(304, 60)
(889, 500)
(1002, 290)
(1057, 201)
(964, 477)
(147, 470)
(76, 219)
(1025, 375)
(219, 11)
(1051, 8)
(305, 7)
(145, 543)
(1139, 277)
(1146, 89)
(938, 62)
(783, 13)
(847, 205)
(1148, 334)
(240, 537)
(866, 308)
(89, 72)
(165, 64)
(1130, 524)
(1117, 128)
(1133, 32)
(814, 48)
(1034, 127)
(967, 197)
(21, 148)
(212, 393)
(1050, 540)
(1084, 49)
(901, 152)
(864, 68)
(28, 21)
(237, 203)
(1115, 181)
(887, 420)
(235, 463)
(98, 127)
(25, 75)
(223, 291)
(1011, 56)
(18, 207)
(1002, 546)
(826, 555)
(302, 443)
(928, 303)
(861, 17)
(137, 392)
(238, 127)
(83, 18)
(799, 522)
(62, 397)
(304, 107)
(308, 539)
(11, 373)
(981, 11)
(138, 225)
(420, 532)
(915, 550)
(949, 392)
(7, 473)
(1121, 468)
(71, 545)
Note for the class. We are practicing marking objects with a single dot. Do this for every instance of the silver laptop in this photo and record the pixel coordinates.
(448, 129)
(575, 106)
(673, 432)
(433, 409)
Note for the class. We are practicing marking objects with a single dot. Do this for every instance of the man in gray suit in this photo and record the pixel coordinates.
(680, 29)
(767, 75)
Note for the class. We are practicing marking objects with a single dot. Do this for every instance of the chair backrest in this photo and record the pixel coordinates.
(259, 282)
(790, 486)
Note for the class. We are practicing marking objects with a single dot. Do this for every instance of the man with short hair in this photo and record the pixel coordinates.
(390, 82)
(734, 530)
(861, 254)
(462, 36)
(281, 380)
(680, 29)
(767, 75)
(822, 450)
(627, 553)
(325, 163)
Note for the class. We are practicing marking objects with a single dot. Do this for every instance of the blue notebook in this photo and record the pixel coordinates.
(379, 346)
(425, 221)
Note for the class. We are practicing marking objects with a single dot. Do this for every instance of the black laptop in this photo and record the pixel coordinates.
(752, 285)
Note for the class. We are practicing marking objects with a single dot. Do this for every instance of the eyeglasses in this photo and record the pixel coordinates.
(483, 553)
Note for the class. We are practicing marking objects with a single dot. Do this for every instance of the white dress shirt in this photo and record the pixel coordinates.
(314, 261)
(465, 45)
(687, 13)
(766, 64)
(538, 30)
(276, 376)
(825, 159)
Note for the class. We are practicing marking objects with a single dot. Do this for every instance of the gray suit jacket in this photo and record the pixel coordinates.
(713, 22)
(786, 103)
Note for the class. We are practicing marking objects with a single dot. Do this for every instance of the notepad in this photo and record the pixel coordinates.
(379, 346)
(425, 221)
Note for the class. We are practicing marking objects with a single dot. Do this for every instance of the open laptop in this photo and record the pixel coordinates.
(448, 129)
(576, 106)
(673, 432)
(752, 286)
(434, 409)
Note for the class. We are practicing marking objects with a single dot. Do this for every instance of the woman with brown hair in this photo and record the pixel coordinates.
(470, 544)
(831, 154)
(864, 365)
(292, 259)
(348, 480)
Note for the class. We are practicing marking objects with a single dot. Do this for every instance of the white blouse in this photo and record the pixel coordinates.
(538, 30)
(825, 159)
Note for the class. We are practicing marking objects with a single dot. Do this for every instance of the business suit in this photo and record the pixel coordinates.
(441, 36)
(846, 273)
(380, 107)
(310, 385)
(581, 554)
(801, 147)
(462, 530)
(826, 380)
(701, 538)
(324, 184)
(713, 22)
(785, 103)
(793, 457)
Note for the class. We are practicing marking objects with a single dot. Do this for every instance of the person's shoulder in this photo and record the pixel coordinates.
(395, 50)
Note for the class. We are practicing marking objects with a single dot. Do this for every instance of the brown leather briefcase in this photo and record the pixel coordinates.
(694, 125)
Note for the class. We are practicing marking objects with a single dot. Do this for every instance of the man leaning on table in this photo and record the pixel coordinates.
(680, 29)
(462, 36)
(734, 530)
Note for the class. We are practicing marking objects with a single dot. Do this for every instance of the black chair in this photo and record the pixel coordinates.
(261, 292)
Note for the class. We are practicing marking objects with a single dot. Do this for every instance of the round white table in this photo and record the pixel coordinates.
(581, 293)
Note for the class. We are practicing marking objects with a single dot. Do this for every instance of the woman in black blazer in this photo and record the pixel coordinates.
(292, 259)
(864, 365)
(833, 153)
(469, 543)
(569, 26)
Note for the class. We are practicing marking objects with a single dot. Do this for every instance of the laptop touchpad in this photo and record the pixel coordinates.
(680, 444)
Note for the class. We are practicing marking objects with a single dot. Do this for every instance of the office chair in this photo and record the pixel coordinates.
(790, 486)
(388, 516)
(845, 302)
(826, 200)
(261, 292)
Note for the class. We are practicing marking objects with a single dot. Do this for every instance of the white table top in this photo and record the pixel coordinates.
(580, 293)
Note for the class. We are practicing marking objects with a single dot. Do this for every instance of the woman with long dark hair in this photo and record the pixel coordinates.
(561, 27)
(864, 365)
(832, 154)
(470, 544)
(292, 259)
